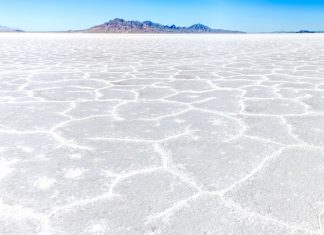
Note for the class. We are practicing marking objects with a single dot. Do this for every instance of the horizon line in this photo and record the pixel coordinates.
(169, 25)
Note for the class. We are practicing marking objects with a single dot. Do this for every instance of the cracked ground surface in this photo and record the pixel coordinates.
(161, 134)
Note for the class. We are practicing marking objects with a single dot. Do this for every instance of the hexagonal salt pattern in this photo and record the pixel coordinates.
(161, 134)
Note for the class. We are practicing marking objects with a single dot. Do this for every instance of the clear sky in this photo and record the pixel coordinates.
(247, 15)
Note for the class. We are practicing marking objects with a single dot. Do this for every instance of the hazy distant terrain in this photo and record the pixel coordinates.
(161, 134)
(8, 29)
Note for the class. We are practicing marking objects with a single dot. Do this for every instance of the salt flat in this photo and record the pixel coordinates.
(161, 134)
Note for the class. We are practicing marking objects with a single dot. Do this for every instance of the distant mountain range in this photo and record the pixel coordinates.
(123, 26)
(8, 29)
(300, 31)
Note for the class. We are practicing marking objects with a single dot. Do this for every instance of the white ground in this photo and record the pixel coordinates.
(161, 134)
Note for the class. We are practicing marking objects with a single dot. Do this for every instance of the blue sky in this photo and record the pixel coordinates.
(247, 15)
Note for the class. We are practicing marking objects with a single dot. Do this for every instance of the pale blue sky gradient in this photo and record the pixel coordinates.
(247, 15)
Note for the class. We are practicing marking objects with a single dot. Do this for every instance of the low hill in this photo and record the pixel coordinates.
(8, 29)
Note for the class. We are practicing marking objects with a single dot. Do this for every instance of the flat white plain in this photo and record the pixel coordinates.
(161, 134)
